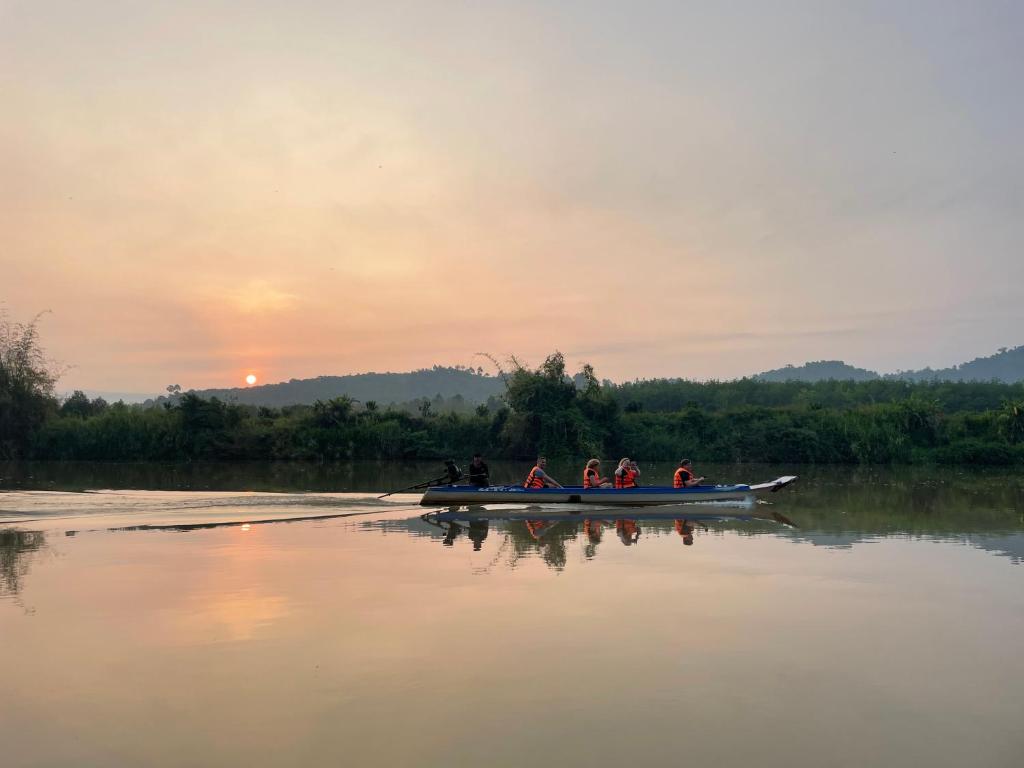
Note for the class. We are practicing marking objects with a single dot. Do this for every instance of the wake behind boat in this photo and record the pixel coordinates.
(458, 495)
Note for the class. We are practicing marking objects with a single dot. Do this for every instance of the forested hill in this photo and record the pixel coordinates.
(820, 370)
(382, 388)
(1006, 365)
(473, 387)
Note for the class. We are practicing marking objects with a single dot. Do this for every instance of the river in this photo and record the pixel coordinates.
(264, 615)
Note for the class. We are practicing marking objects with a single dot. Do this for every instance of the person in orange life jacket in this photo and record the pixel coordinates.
(627, 475)
(592, 475)
(538, 478)
(684, 477)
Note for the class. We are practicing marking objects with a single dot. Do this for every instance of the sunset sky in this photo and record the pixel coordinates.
(202, 190)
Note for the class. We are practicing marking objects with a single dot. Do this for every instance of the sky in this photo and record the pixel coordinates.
(198, 190)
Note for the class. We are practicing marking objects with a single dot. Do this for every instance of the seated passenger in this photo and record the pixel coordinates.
(627, 475)
(592, 475)
(538, 478)
(684, 477)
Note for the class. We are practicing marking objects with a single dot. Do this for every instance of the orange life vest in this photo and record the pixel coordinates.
(532, 481)
(678, 481)
(626, 479)
(589, 473)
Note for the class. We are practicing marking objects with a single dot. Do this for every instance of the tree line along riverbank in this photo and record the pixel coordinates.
(543, 410)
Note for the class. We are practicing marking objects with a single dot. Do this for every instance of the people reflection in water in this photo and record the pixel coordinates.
(453, 532)
(478, 530)
(628, 531)
(592, 531)
(537, 528)
(546, 537)
(684, 529)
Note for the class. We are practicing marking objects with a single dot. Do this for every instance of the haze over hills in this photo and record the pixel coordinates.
(1006, 365)
(473, 386)
(383, 388)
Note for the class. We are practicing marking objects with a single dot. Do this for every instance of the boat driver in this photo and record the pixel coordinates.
(479, 475)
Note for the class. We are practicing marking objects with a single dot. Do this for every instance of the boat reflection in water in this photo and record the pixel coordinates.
(535, 530)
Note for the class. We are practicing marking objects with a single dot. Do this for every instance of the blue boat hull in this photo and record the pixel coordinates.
(458, 495)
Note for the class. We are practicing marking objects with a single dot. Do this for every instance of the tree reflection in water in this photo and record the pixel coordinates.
(16, 549)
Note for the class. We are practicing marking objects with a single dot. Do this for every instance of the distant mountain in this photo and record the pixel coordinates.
(474, 387)
(820, 370)
(1006, 365)
(383, 388)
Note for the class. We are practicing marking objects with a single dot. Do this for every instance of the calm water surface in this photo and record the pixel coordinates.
(281, 615)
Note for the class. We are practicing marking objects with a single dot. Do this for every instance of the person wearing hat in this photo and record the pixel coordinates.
(684, 477)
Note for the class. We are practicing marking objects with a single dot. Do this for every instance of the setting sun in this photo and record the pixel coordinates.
(250, 379)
